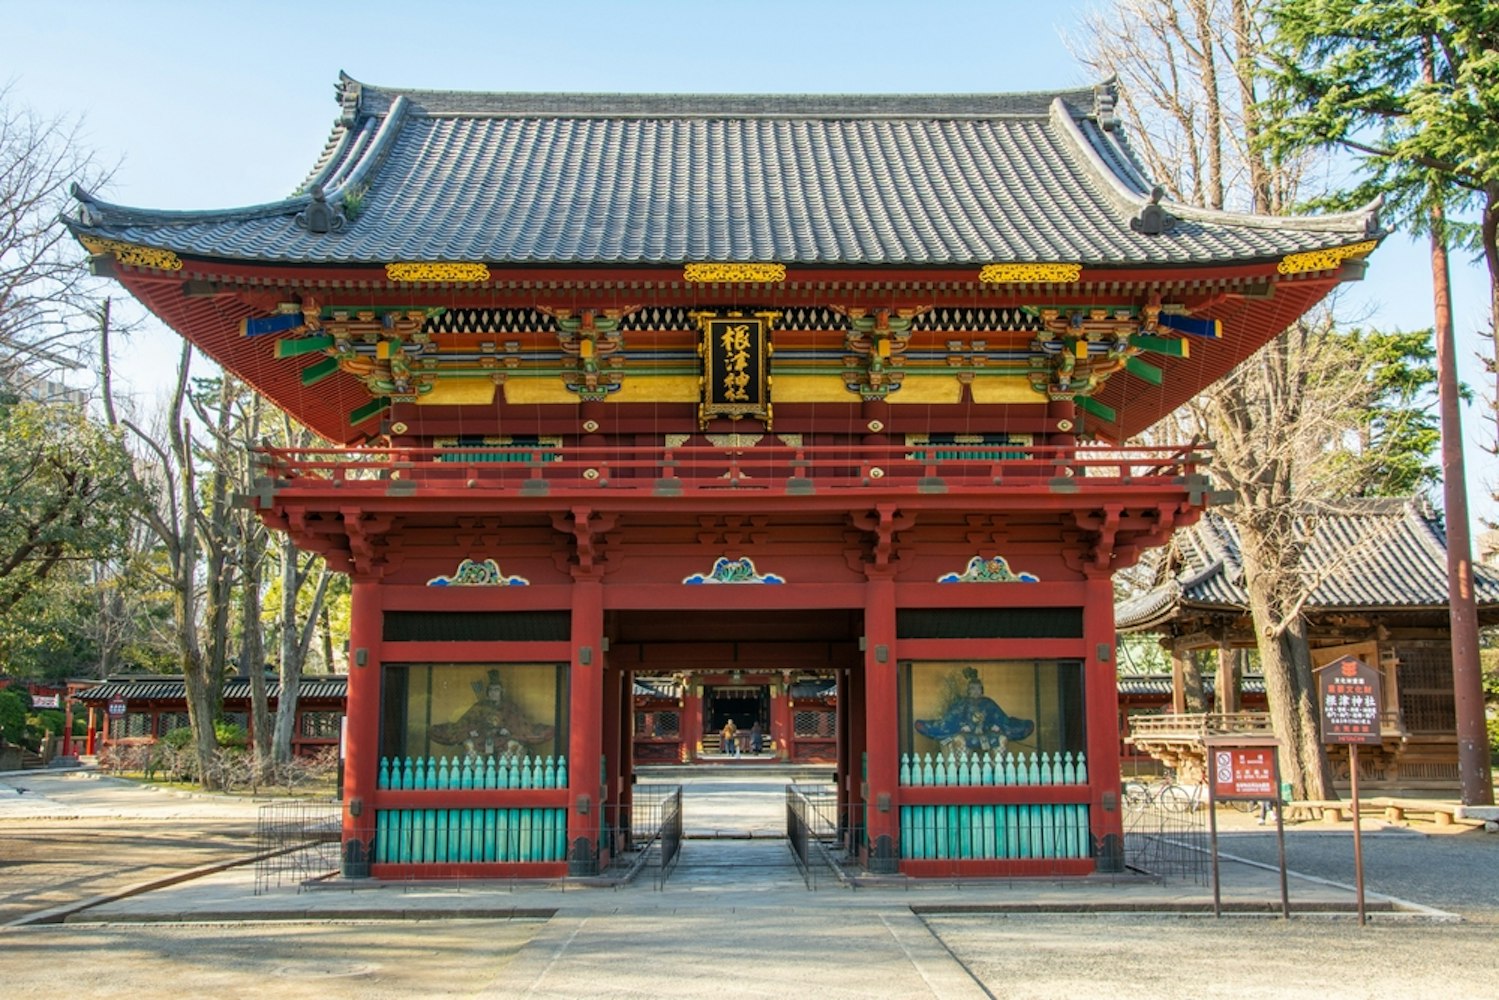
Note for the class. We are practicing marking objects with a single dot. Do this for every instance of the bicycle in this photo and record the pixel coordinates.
(1163, 793)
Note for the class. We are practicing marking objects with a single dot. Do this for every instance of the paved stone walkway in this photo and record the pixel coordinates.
(735, 918)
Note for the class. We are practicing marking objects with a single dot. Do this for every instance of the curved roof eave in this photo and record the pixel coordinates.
(341, 174)
(1362, 223)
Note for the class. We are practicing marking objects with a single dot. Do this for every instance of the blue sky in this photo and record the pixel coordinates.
(212, 105)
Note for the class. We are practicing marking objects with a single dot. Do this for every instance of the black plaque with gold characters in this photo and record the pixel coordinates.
(736, 356)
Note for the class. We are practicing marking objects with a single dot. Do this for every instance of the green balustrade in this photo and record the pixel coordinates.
(466, 836)
(994, 832)
(444, 773)
(995, 768)
(434, 836)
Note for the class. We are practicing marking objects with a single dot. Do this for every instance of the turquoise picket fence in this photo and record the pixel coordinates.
(994, 832)
(442, 773)
(995, 768)
(432, 836)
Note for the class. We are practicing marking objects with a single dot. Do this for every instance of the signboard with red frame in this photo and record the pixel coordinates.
(117, 706)
(1348, 692)
(1244, 773)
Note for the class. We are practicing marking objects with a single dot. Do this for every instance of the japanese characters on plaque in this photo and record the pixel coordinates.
(1348, 694)
(736, 353)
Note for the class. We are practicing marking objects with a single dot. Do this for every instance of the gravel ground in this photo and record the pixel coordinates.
(1034, 955)
(1457, 872)
(45, 864)
(1243, 958)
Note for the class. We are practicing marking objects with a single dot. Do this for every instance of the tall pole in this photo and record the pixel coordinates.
(1467, 676)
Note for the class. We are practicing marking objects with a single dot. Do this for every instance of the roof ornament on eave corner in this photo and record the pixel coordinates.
(1153, 219)
(347, 92)
(1105, 96)
(319, 216)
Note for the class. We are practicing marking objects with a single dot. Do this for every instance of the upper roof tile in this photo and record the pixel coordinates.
(908, 180)
(1368, 554)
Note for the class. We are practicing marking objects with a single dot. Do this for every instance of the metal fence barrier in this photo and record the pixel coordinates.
(1167, 838)
(813, 831)
(296, 841)
(647, 833)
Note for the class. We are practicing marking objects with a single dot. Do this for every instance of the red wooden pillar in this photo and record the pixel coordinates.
(67, 723)
(691, 724)
(362, 744)
(585, 727)
(625, 798)
(1101, 694)
(881, 741)
(91, 737)
(780, 717)
(616, 752)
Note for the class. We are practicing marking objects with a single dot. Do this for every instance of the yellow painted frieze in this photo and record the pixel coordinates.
(1323, 260)
(734, 273)
(437, 271)
(1037, 274)
(131, 253)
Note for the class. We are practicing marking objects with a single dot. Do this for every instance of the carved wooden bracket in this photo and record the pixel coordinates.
(591, 340)
(587, 528)
(876, 341)
(369, 557)
(883, 523)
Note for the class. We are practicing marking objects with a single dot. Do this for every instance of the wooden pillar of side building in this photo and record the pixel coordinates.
(361, 744)
(1226, 683)
(585, 730)
(881, 791)
(1179, 657)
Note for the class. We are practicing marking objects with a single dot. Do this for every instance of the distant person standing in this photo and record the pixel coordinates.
(731, 739)
(757, 738)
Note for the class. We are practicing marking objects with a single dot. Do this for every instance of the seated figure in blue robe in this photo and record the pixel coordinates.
(975, 723)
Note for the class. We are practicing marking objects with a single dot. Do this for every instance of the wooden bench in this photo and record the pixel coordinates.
(1394, 810)
(1331, 810)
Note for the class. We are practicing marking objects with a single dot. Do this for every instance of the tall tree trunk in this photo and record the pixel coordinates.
(325, 629)
(1192, 684)
(296, 640)
(216, 528)
(1205, 56)
(1285, 659)
(175, 524)
(252, 647)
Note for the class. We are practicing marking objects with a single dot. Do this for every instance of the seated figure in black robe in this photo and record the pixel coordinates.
(975, 724)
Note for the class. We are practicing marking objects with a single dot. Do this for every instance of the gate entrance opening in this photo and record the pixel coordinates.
(689, 674)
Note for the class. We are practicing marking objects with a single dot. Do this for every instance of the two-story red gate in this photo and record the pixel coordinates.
(789, 387)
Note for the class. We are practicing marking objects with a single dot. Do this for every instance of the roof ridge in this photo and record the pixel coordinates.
(371, 100)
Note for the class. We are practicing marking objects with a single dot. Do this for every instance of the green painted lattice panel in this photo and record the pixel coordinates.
(468, 836)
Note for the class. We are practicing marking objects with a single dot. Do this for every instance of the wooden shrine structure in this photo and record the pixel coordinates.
(1378, 591)
(799, 387)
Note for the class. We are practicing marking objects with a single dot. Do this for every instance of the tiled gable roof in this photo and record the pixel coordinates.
(316, 688)
(842, 180)
(1366, 554)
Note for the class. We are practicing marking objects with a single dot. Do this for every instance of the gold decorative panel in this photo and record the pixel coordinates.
(1323, 260)
(130, 253)
(460, 271)
(1040, 274)
(728, 273)
(736, 356)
